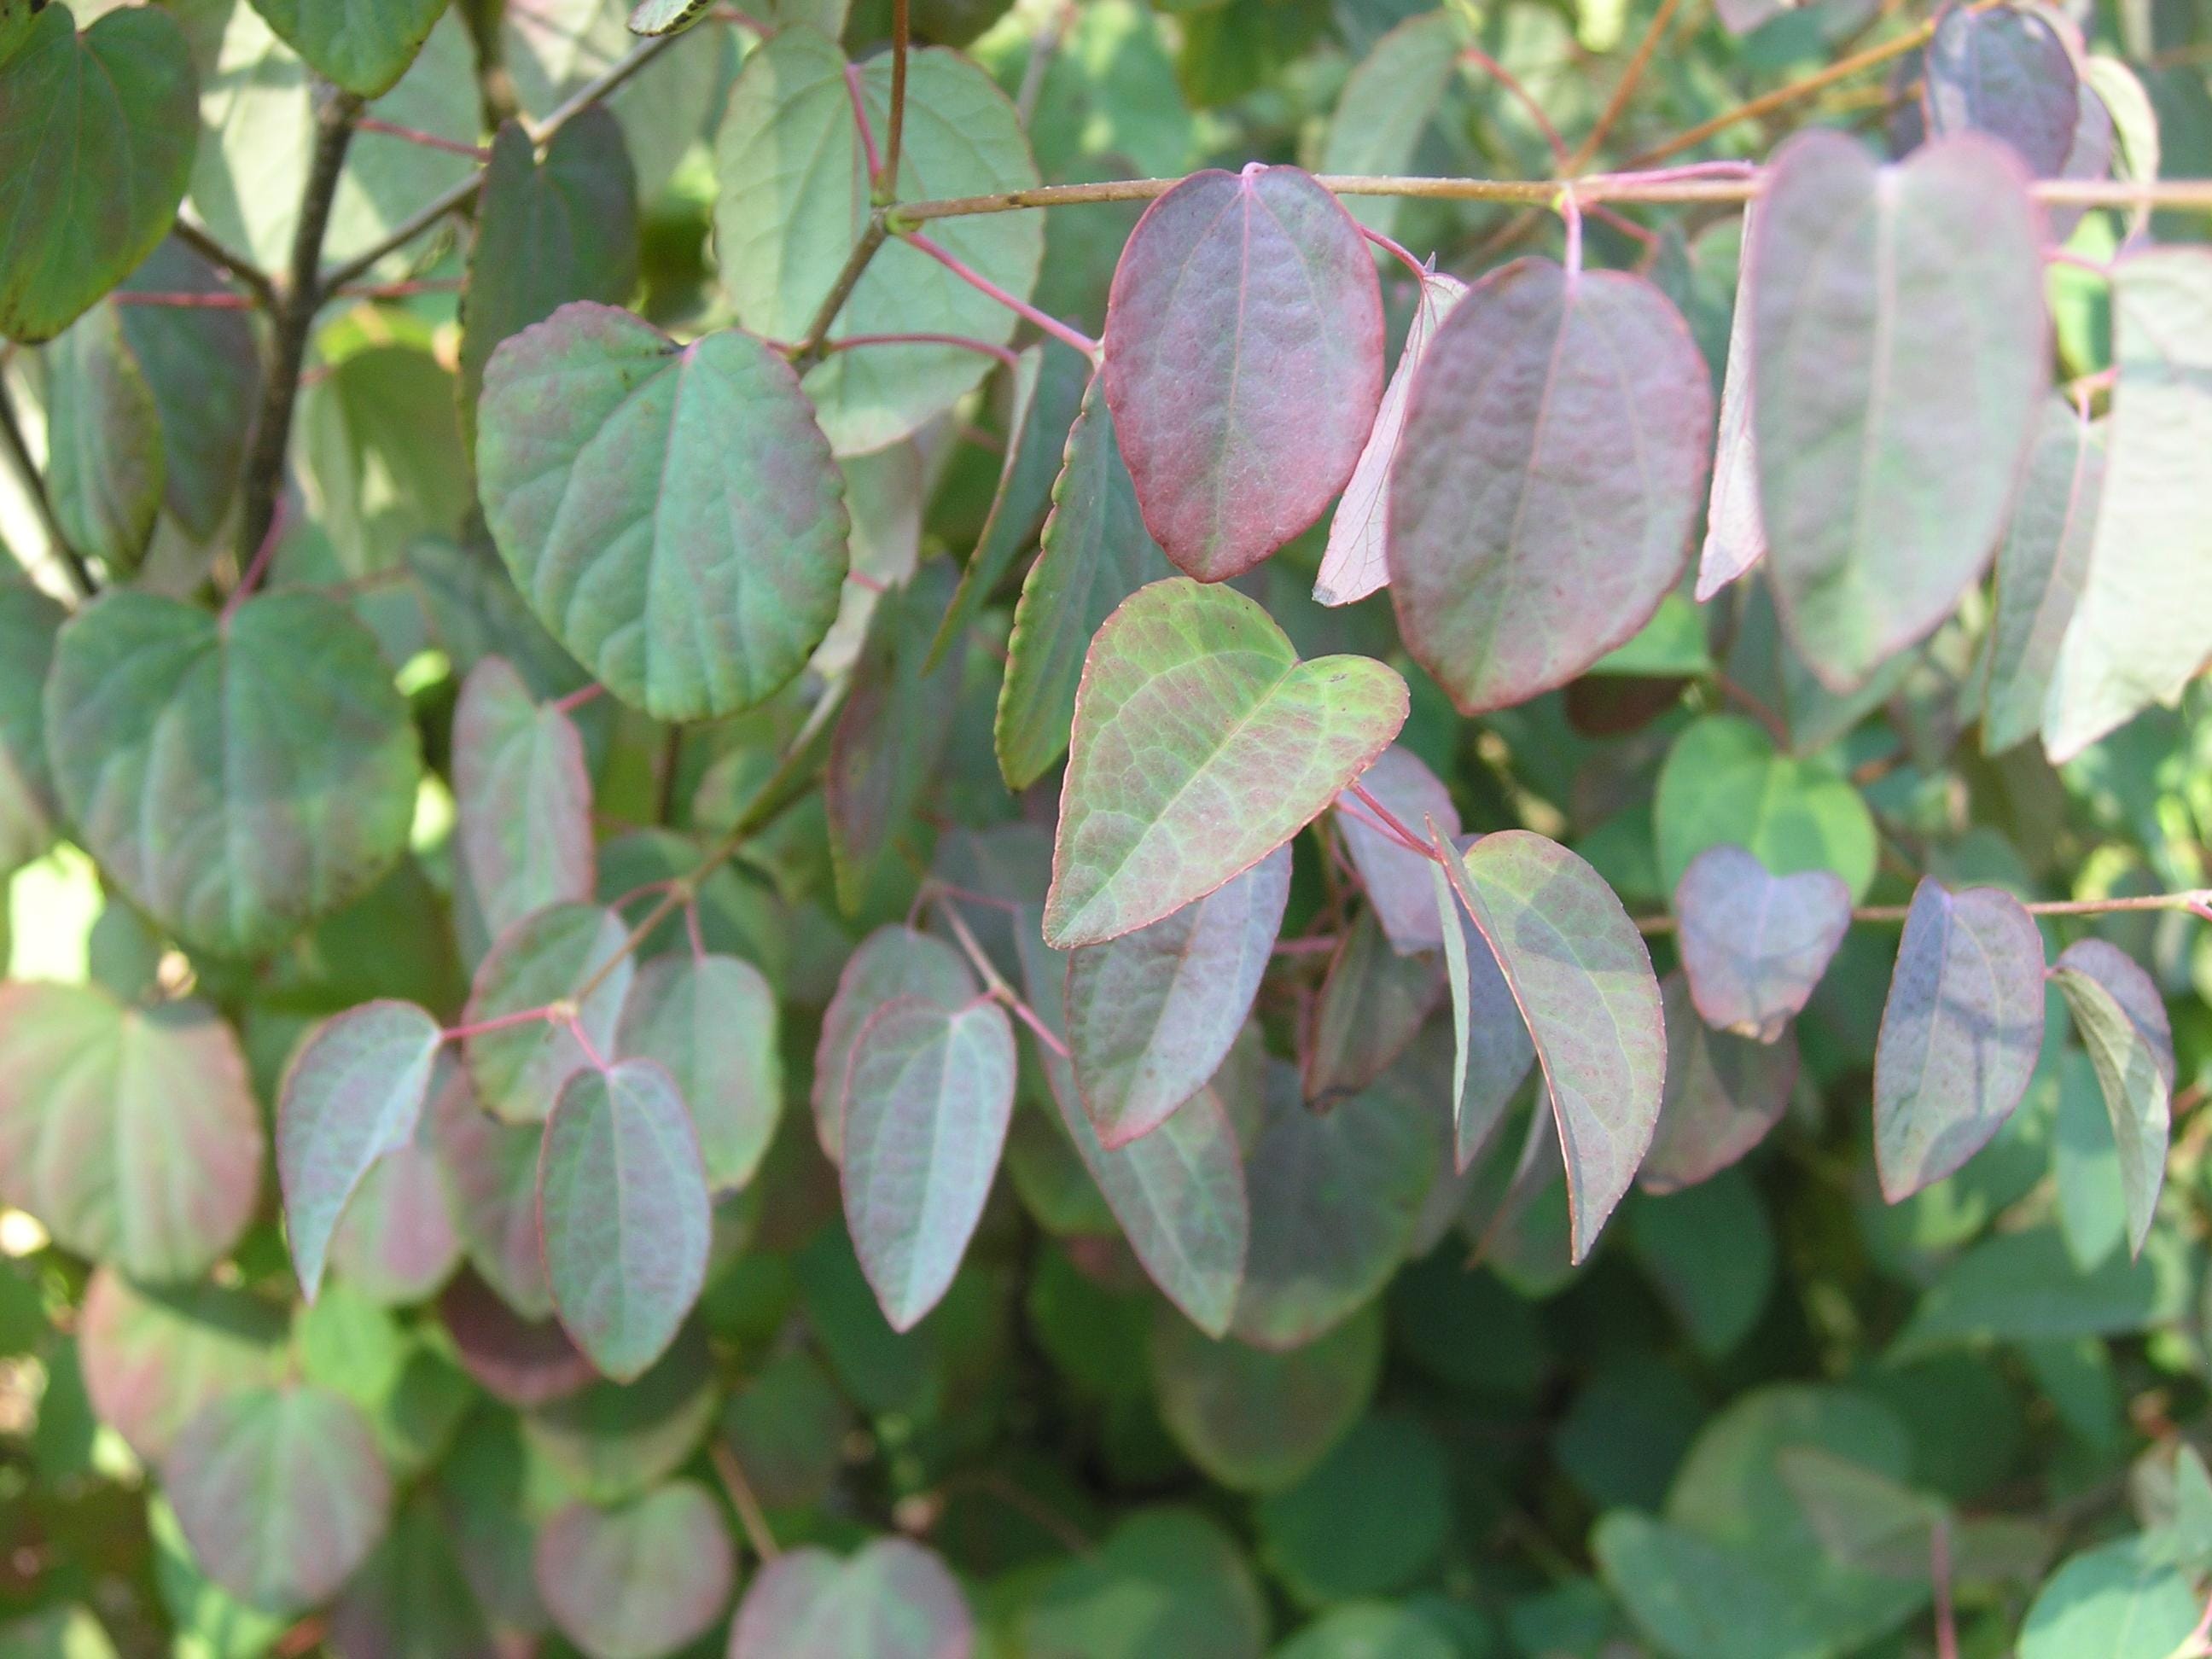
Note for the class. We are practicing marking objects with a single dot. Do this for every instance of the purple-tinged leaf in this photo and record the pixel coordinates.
(352, 1094)
(2041, 567)
(1150, 1015)
(1372, 1002)
(1395, 876)
(153, 1357)
(622, 1207)
(1492, 1051)
(1724, 1093)
(1582, 980)
(280, 1493)
(104, 471)
(2142, 629)
(522, 799)
(1723, 785)
(1201, 743)
(928, 1094)
(1356, 562)
(523, 1362)
(1735, 536)
(1243, 362)
(396, 1241)
(642, 1580)
(2004, 71)
(131, 1134)
(893, 1600)
(1754, 945)
(1257, 1421)
(891, 961)
(711, 1023)
(2122, 1021)
(493, 1167)
(1960, 1033)
(1900, 359)
(517, 1070)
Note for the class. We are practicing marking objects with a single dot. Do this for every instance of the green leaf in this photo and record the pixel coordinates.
(1258, 1421)
(379, 455)
(96, 138)
(518, 1069)
(673, 516)
(28, 812)
(1372, 1003)
(555, 48)
(1755, 945)
(622, 1202)
(2121, 1017)
(351, 1095)
(204, 367)
(1862, 1519)
(153, 1357)
(1582, 980)
(1697, 1599)
(1711, 1254)
(1735, 538)
(614, 1440)
(280, 1493)
(1369, 1630)
(493, 1167)
(2041, 567)
(1367, 1520)
(1961, 1032)
(364, 45)
(1200, 683)
(413, 1594)
(1166, 1581)
(646, 1579)
(656, 17)
(1899, 340)
(104, 471)
(891, 1600)
(711, 1023)
(1724, 1094)
(1096, 552)
(2024, 1286)
(522, 798)
(891, 961)
(2117, 1601)
(927, 1096)
(130, 1133)
(238, 777)
(1724, 784)
(1388, 99)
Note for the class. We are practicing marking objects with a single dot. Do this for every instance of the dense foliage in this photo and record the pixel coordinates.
(1254, 827)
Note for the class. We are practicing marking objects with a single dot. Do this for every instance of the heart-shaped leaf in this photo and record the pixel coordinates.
(1579, 972)
(1150, 1015)
(1961, 1032)
(526, 1363)
(494, 1169)
(130, 1133)
(238, 777)
(623, 1206)
(104, 452)
(96, 137)
(516, 1070)
(672, 515)
(1243, 362)
(2121, 1017)
(396, 1241)
(1395, 876)
(711, 1023)
(1735, 536)
(891, 961)
(203, 367)
(364, 45)
(1724, 1093)
(1545, 485)
(522, 799)
(2003, 70)
(1754, 945)
(1187, 1575)
(1724, 785)
(29, 623)
(646, 1579)
(1257, 1421)
(1490, 1048)
(351, 1095)
(2041, 568)
(893, 1600)
(1201, 743)
(1371, 1003)
(153, 1357)
(928, 1094)
(1900, 345)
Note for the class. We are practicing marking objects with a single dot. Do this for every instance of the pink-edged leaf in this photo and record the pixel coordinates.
(522, 799)
(928, 1094)
(641, 1580)
(2123, 1021)
(1900, 357)
(1371, 1003)
(493, 1167)
(1201, 743)
(891, 961)
(1492, 1051)
(893, 1600)
(1395, 876)
(711, 1023)
(352, 1094)
(526, 1363)
(1356, 562)
(623, 1208)
(152, 1358)
(2006, 71)
(1735, 536)
(518, 1069)
(1243, 362)
(1150, 1015)
(1549, 474)
(1724, 1093)
(2041, 567)
(1960, 1033)
(1754, 945)
(1582, 980)
(396, 1241)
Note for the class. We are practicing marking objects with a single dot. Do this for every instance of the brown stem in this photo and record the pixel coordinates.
(886, 191)
(856, 266)
(1939, 1575)
(19, 452)
(744, 1499)
(248, 275)
(1618, 104)
(993, 980)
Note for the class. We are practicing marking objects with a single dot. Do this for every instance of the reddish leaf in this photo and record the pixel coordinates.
(1754, 945)
(641, 1581)
(1395, 876)
(894, 1600)
(153, 1357)
(396, 1241)
(2003, 70)
(891, 961)
(1723, 1094)
(494, 1169)
(526, 1363)
(518, 1069)
(1257, 1421)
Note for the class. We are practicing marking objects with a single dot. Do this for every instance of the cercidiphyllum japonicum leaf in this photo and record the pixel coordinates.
(238, 777)
(613, 1440)
(518, 1069)
(1150, 1015)
(1754, 945)
(1201, 744)
(1395, 876)
(547, 233)
(1356, 561)
(891, 1600)
(651, 17)
(29, 620)
(493, 1167)
(363, 45)
(1735, 538)
(96, 137)
(1900, 357)
(205, 369)
(1094, 553)
(2041, 566)
(131, 1133)
(1722, 784)
(2006, 71)
(1372, 1002)
(642, 1580)
(623, 1206)
(1243, 362)
(2122, 1598)
(1492, 1050)
(711, 1022)
(793, 198)
(2139, 632)
(522, 800)
(1582, 980)
(1961, 1032)
(672, 515)
(1549, 474)
(524, 1363)
(103, 468)
(1386, 106)
(396, 1241)
(280, 1493)
(352, 1094)
(928, 1094)
(891, 961)
(2122, 1021)
(153, 1356)
(1724, 1094)
(1187, 1573)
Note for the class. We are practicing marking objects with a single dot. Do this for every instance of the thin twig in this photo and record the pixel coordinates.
(1390, 824)
(1004, 353)
(743, 1499)
(425, 140)
(1939, 1575)
(260, 564)
(1511, 85)
(856, 96)
(994, 981)
(810, 344)
(19, 453)
(242, 269)
(887, 180)
(220, 299)
(1021, 307)
(1397, 251)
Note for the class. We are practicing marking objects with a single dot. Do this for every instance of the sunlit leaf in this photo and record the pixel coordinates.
(1724, 1093)
(891, 961)
(1390, 96)
(1396, 877)
(153, 1357)
(516, 1069)
(555, 48)
(364, 45)
(641, 1580)
(2041, 566)
(2121, 1017)
(711, 1022)
(1256, 1420)
(522, 798)
(1735, 536)
(891, 1600)
(104, 464)
(1755, 945)
(2117, 1601)
(1723, 784)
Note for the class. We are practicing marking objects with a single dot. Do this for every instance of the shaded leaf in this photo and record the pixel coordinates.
(614, 1440)
(516, 1069)
(2041, 566)
(891, 961)
(2007, 72)
(412, 1596)
(364, 45)
(1711, 1254)
(1370, 1630)
(152, 1357)
(204, 369)
(642, 1580)
(1723, 784)
(891, 1600)
(1724, 1094)
(1693, 1597)
(711, 1023)
(1395, 876)
(2023, 1286)
(1492, 1051)
(1366, 1521)
(526, 1363)
(1255, 1420)
(1166, 1581)
(396, 1241)
(2122, 1018)
(1754, 945)
(522, 799)
(1372, 1002)
(28, 811)
(1862, 1519)
(494, 1169)
(104, 459)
